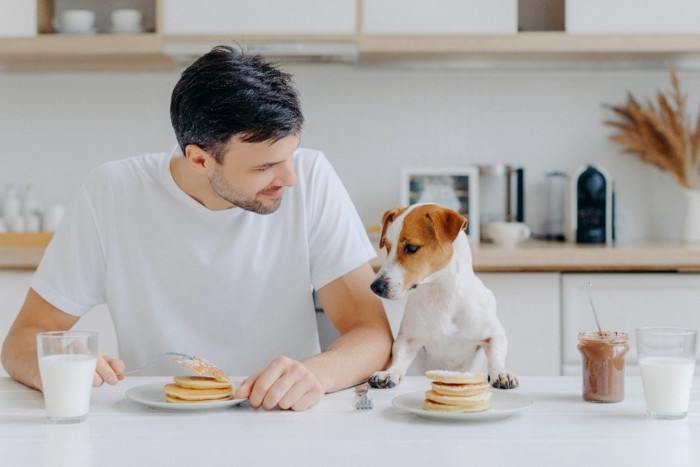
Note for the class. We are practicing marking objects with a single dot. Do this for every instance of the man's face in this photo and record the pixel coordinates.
(253, 176)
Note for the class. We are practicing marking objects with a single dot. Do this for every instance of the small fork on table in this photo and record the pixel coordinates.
(363, 401)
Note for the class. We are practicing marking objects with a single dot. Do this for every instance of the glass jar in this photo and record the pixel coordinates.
(603, 365)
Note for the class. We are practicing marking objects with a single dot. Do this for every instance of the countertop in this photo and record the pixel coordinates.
(559, 427)
(24, 251)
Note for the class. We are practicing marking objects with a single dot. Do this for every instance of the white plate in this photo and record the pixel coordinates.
(503, 404)
(153, 395)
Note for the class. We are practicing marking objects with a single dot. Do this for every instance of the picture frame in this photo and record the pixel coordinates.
(454, 188)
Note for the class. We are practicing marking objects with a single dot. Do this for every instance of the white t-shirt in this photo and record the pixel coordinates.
(231, 286)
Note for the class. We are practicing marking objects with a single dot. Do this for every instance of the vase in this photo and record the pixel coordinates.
(691, 227)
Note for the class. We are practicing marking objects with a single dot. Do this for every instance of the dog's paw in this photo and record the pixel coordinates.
(384, 380)
(503, 379)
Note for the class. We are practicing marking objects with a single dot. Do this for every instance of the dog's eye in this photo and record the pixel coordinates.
(410, 249)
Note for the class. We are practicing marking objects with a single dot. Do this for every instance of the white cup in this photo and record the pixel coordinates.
(667, 363)
(508, 234)
(67, 361)
(126, 19)
(77, 20)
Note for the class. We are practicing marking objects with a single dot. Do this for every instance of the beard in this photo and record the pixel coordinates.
(244, 201)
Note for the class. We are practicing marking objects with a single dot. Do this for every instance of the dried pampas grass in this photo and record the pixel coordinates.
(663, 135)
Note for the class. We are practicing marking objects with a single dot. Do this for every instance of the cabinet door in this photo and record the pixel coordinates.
(260, 17)
(440, 17)
(625, 302)
(13, 290)
(528, 307)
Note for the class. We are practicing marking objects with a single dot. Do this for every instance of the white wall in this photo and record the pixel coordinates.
(371, 120)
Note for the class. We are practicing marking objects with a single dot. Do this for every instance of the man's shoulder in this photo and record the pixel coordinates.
(119, 168)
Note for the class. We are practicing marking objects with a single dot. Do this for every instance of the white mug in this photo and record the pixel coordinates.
(77, 20)
(508, 234)
(126, 19)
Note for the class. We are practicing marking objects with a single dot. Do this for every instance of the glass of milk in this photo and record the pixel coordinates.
(667, 363)
(67, 361)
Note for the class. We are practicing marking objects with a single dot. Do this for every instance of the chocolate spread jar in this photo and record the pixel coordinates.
(603, 365)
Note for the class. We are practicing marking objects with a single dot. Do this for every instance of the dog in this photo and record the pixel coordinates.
(449, 312)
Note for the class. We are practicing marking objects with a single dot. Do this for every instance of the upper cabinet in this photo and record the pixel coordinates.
(260, 17)
(172, 31)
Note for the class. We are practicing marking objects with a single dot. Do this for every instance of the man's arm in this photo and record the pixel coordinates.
(364, 346)
(19, 353)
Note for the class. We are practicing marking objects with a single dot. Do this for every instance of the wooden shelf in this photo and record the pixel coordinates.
(149, 50)
(538, 45)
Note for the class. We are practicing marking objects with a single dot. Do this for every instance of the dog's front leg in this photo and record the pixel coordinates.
(496, 348)
(403, 353)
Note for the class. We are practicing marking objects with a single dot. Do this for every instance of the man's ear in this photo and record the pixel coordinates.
(198, 159)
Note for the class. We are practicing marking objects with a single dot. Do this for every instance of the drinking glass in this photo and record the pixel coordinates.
(667, 363)
(67, 361)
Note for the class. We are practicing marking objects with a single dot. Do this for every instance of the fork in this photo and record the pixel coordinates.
(150, 362)
(363, 402)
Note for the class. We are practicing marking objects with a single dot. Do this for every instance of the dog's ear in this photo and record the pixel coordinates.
(387, 219)
(447, 224)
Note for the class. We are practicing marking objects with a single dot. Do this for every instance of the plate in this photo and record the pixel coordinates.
(153, 396)
(503, 404)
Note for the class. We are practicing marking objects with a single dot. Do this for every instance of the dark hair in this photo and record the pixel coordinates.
(225, 93)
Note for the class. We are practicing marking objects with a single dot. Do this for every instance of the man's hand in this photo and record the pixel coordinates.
(284, 383)
(106, 371)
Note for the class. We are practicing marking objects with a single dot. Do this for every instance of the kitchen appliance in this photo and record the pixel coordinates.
(555, 219)
(592, 206)
(501, 195)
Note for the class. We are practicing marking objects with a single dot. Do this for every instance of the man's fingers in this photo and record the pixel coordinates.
(104, 373)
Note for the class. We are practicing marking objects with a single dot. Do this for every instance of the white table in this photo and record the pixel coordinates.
(558, 429)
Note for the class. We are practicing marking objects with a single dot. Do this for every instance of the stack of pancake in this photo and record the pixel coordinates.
(198, 389)
(454, 391)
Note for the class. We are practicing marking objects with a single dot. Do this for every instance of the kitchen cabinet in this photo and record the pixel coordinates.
(315, 29)
(625, 302)
(14, 285)
(529, 310)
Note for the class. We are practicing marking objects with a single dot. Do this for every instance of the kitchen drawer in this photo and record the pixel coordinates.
(625, 302)
(261, 17)
(440, 17)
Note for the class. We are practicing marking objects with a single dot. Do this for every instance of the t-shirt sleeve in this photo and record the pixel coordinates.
(71, 275)
(338, 242)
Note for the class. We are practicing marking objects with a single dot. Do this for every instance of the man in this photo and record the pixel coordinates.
(215, 252)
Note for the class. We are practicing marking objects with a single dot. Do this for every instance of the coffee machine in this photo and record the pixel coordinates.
(592, 206)
(501, 195)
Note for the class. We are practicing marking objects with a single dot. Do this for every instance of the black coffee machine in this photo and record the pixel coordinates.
(592, 206)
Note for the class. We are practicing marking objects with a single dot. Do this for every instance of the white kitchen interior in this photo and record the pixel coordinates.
(373, 119)
(389, 87)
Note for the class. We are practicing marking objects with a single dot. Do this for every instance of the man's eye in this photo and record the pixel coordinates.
(410, 249)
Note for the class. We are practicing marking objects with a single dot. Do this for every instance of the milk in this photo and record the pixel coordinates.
(667, 383)
(67, 383)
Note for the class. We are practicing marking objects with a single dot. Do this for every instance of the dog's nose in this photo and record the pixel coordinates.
(379, 287)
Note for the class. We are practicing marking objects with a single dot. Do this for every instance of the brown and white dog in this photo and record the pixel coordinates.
(450, 313)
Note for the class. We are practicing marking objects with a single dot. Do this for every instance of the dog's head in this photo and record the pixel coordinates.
(418, 242)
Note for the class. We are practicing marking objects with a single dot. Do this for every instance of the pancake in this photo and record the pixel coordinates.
(463, 401)
(193, 395)
(201, 382)
(456, 377)
(202, 366)
(438, 407)
(181, 401)
(454, 391)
